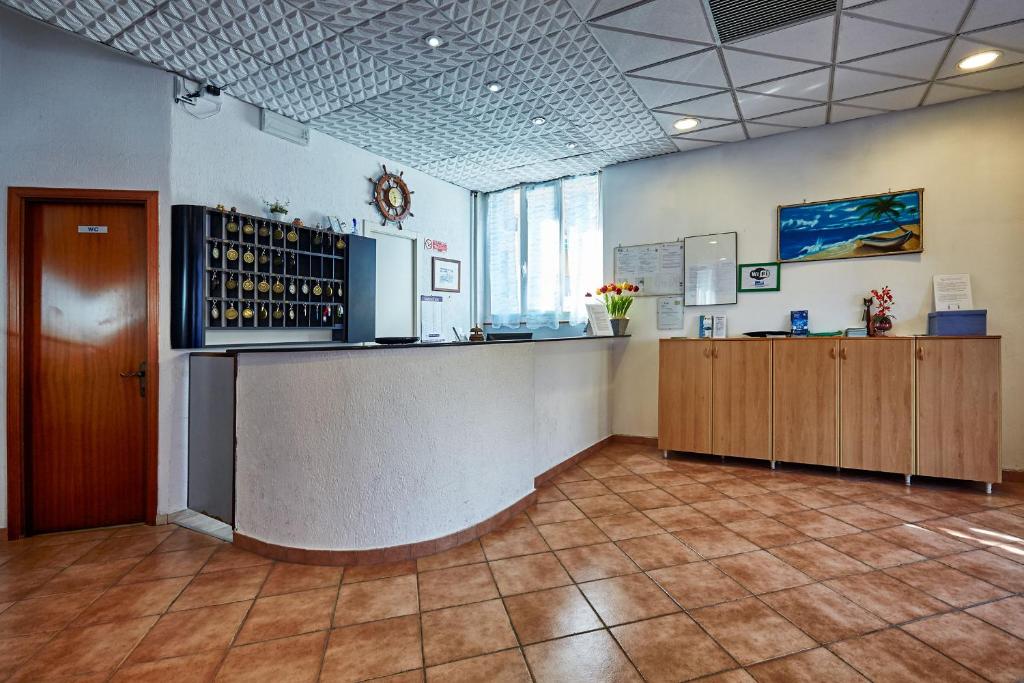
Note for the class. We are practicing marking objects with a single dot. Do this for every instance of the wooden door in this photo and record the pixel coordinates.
(958, 408)
(84, 324)
(876, 404)
(741, 422)
(806, 400)
(684, 396)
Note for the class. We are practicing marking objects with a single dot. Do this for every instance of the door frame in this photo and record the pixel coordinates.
(18, 199)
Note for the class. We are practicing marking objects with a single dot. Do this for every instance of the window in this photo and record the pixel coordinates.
(542, 252)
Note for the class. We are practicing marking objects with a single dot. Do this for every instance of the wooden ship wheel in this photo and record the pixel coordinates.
(392, 197)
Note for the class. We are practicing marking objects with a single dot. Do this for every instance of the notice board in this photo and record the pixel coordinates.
(656, 268)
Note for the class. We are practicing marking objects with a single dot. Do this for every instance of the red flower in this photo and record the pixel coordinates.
(618, 291)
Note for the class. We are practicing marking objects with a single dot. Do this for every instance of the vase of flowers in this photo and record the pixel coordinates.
(277, 209)
(617, 298)
(881, 319)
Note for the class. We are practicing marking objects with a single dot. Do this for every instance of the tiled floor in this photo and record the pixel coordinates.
(629, 568)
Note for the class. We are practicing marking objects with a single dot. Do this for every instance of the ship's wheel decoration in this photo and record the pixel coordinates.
(392, 197)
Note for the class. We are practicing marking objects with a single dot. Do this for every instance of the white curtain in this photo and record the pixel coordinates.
(584, 246)
(503, 258)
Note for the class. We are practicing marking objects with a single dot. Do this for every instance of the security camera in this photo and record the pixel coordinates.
(202, 103)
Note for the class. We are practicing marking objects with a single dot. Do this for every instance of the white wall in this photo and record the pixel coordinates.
(78, 114)
(967, 155)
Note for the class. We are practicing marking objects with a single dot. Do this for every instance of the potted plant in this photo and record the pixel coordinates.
(617, 298)
(277, 209)
(881, 319)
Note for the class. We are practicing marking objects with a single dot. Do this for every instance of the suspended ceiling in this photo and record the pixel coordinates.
(609, 76)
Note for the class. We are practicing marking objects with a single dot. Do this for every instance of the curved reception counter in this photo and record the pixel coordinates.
(350, 455)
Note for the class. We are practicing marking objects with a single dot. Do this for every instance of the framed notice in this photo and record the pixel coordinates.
(600, 323)
(656, 268)
(758, 277)
(446, 274)
(710, 269)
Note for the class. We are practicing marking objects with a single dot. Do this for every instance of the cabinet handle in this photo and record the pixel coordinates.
(920, 353)
(707, 352)
(832, 353)
(842, 353)
(714, 352)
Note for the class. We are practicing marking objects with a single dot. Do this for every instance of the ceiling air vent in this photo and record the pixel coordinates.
(738, 19)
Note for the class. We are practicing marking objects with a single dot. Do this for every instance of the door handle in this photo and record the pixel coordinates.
(920, 353)
(707, 352)
(842, 353)
(714, 352)
(832, 353)
(141, 374)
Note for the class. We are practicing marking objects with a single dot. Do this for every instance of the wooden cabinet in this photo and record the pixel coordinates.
(684, 395)
(805, 397)
(876, 404)
(741, 414)
(958, 408)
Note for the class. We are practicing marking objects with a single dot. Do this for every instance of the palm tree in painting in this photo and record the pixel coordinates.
(885, 207)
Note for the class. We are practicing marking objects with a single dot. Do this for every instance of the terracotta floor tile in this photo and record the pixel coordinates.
(679, 517)
(467, 553)
(186, 539)
(815, 498)
(500, 667)
(693, 493)
(85, 576)
(1007, 614)
(668, 479)
(862, 516)
(280, 616)
(573, 473)
(715, 541)
(550, 614)
(736, 488)
(886, 597)
(604, 471)
(816, 524)
(16, 584)
(822, 613)
(51, 557)
(906, 510)
(143, 530)
(380, 648)
(230, 557)
(602, 506)
(627, 598)
(591, 562)
(511, 542)
(548, 513)
(39, 615)
(414, 676)
(120, 547)
(982, 648)
(750, 631)
(130, 601)
(371, 572)
(984, 565)
(456, 586)
(168, 565)
(872, 550)
(772, 504)
(761, 572)
(629, 525)
(892, 655)
(655, 552)
(528, 573)
(671, 648)
(295, 578)
(67, 537)
(15, 651)
(571, 534)
(819, 561)
(923, 541)
(727, 510)
(587, 657)
(549, 494)
(583, 489)
(767, 533)
(221, 587)
(89, 650)
(198, 668)
(198, 630)
(650, 499)
(811, 666)
(466, 631)
(287, 660)
(947, 584)
(698, 584)
(734, 676)
(630, 482)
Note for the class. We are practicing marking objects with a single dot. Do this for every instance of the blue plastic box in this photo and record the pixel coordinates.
(958, 323)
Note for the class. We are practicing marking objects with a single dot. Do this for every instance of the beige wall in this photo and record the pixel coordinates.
(967, 155)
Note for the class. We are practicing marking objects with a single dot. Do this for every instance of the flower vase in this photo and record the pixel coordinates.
(619, 326)
(275, 216)
(882, 325)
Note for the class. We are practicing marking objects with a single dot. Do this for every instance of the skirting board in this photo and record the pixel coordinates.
(1015, 476)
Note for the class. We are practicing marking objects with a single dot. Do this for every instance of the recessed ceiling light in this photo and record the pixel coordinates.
(495, 86)
(538, 120)
(686, 124)
(434, 41)
(979, 59)
(571, 145)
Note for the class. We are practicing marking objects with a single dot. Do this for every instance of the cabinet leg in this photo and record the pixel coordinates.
(723, 459)
(988, 488)
(906, 480)
(665, 454)
(773, 464)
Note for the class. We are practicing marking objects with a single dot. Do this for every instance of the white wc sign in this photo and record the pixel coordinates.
(93, 229)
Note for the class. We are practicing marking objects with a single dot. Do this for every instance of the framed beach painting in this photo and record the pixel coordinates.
(873, 225)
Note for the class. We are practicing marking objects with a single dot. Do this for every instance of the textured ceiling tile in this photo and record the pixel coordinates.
(903, 98)
(941, 16)
(991, 12)
(656, 93)
(682, 19)
(746, 68)
(849, 83)
(497, 25)
(812, 85)
(803, 118)
(920, 62)
(100, 19)
(632, 51)
(703, 68)
(811, 40)
(962, 47)
(345, 67)
(341, 15)
(861, 37)
(642, 149)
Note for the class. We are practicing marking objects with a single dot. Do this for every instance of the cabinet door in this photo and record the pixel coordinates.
(741, 387)
(806, 397)
(958, 408)
(876, 405)
(684, 396)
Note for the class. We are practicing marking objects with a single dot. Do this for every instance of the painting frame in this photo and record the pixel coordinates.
(775, 265)
(855, 245)
(440, 268)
